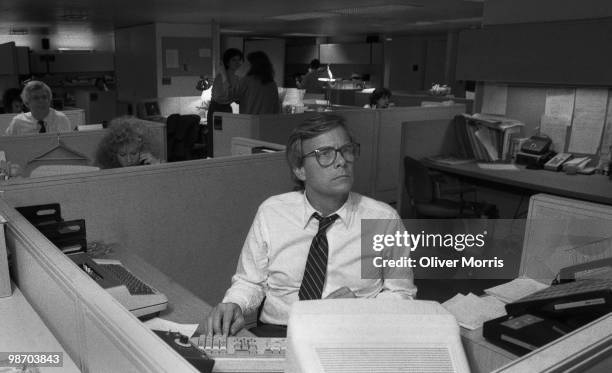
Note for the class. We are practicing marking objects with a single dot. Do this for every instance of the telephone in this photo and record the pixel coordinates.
(537, 145)
(557, 161)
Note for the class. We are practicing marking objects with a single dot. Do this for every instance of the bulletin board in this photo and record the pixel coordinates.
(186, 56)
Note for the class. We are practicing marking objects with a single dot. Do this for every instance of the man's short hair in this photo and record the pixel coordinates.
(32, 86)
(231, 53)
(314, 64)
(309, 129)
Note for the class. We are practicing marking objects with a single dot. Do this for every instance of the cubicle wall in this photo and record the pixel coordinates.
(401, 99)
(189, 219)
(378, 131)
(23, 149)
(96, 331)
(389, 145)
(441, 139)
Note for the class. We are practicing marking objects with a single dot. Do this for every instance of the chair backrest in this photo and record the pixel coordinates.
(182, 134)
(418, 181)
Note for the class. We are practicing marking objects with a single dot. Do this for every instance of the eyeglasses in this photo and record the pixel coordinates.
(326, 155)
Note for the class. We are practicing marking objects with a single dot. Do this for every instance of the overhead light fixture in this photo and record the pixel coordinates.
(462, 20)
(304, 34)
(375, 9)
(75, 50)
(303, 16)
(18, 31)
(75, 16)
(234, 31)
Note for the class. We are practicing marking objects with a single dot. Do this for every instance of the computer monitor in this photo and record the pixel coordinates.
(373, 335)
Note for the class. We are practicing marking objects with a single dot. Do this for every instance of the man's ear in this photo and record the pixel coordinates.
(299, 173)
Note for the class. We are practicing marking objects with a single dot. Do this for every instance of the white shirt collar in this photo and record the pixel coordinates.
(346, 212)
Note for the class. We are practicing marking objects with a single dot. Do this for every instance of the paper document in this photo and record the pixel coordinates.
(589, 117)
(515, 289)
(556, 129)
(606, 141)
(472, 311)
(165, 325)
(560, 104)
(498, 166)
(494, 99)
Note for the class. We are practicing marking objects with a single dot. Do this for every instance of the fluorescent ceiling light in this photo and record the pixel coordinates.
(234, 31)
(303, 16)
(462, 20)
(304, 34)
(375, 9)
(18, 31)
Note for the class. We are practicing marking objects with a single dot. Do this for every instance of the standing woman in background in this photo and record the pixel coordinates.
(220, 99)
(257, 92)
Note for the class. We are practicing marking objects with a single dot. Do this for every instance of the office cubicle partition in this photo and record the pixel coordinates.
(23, 149)
(187, 219)
(94, 329)
(377, 130)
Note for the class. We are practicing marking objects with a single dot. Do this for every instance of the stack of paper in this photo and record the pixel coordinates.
(515, 289)
(170, 326)
(472, 311)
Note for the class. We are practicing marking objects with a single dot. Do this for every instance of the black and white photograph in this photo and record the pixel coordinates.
(359, 186)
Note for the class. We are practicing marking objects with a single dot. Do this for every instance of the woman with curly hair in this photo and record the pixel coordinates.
(127, 143)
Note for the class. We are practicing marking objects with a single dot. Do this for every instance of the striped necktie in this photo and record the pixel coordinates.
(316, 264)
(42, 129)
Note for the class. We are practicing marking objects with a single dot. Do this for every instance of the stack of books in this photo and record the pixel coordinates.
(487, 138)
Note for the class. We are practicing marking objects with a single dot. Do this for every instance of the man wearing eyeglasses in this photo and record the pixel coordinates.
(306, 244)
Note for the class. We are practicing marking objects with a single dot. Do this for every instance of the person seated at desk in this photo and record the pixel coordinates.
(307, 244)
(127, 143)
(310, 81)
(42, 118)
(379, 99)
(12, 102)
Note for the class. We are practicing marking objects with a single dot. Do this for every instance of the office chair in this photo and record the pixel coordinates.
(425, 189)
(183, 132)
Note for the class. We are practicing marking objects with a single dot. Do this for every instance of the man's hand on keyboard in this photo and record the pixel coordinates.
(226, 319)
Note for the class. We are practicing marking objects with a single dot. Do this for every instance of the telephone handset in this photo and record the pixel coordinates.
(594, 268)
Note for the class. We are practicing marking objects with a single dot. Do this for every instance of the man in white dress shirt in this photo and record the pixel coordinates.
(41, 118)
(275, 259)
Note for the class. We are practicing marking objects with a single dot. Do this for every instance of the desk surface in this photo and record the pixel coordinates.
(22, 330)
(183, 306)
(593, 188)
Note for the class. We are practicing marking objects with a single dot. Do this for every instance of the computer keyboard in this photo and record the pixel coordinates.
(233, 354)
(134, 285)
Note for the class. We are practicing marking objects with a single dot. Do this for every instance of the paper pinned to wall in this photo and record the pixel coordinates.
(494, 99)
(172, 59)
(589, 117)
(606, 141)
(556, 128)
(560, 104)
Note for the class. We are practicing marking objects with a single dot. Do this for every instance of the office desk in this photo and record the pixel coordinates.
(183, 306)
(22, 330)
(593, 188)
